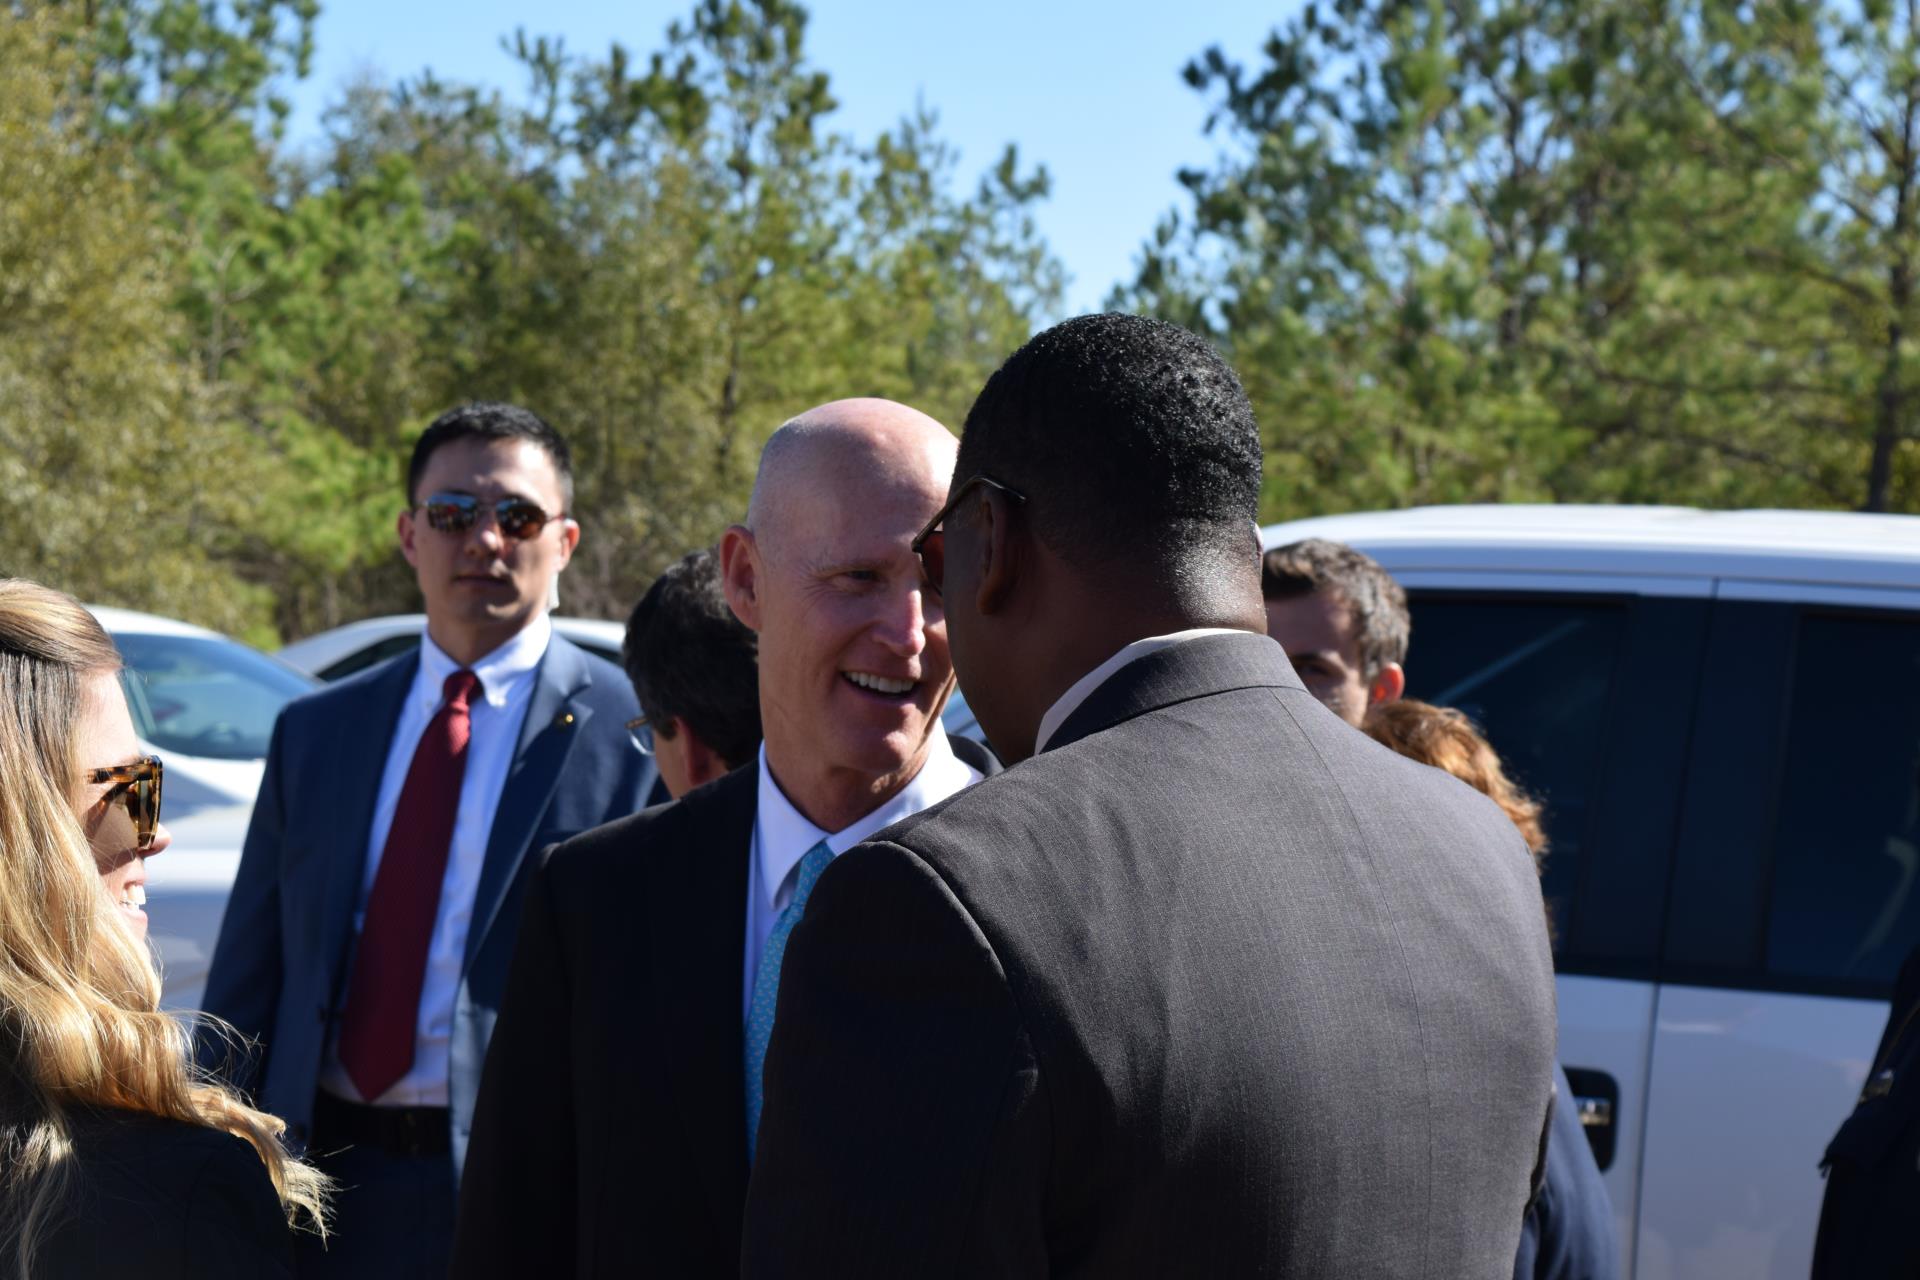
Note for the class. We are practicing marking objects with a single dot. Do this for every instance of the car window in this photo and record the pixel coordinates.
(378, 651)
(207, 696)
(1845, 901)
(1537, 678)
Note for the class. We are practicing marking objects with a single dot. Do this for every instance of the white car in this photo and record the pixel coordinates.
(340, 652)
(1721, 711)
(205, 704)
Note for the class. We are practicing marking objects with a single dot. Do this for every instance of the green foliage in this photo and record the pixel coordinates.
(106, 436)
(665, 255)
(1571, 251)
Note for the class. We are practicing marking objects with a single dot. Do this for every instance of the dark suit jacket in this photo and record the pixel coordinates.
(610, 1138)
(1569, 1233)
(1872, 1165)
(279, 970)
(1214, 986)
(164, 1201)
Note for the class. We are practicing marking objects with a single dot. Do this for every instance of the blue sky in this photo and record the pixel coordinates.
(1091, 90)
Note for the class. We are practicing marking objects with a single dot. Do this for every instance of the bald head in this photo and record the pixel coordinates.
(853, 646)
(842, 449)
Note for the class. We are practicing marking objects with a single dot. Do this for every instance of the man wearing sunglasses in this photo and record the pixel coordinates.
(372, 920)
(615, 1127)
(1208, 983)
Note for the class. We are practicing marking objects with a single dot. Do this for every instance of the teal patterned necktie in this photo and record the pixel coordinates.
(766, 985)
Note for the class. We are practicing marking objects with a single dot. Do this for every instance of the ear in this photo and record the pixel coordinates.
(405, 529)
(1002, 553)
(1388, 685)
(703, 762)
(740, 574)
(569, 539)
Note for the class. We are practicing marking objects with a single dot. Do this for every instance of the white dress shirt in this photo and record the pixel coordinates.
(782, 836)
(506, 684)
(1078, 692)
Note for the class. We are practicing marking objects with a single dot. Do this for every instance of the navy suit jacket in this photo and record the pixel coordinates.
(279, 972)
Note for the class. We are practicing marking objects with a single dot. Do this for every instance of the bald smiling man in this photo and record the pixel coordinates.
(615, 1124)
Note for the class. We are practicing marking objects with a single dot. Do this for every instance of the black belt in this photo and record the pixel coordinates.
(400, 1131)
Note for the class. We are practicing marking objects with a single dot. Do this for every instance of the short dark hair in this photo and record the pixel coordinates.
(1131, 437)
(689, 656)
(491, 420)
(1376, 605)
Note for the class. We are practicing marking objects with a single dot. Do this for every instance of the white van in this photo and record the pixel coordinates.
(1721, 711)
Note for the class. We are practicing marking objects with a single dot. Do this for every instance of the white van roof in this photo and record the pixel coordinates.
(1806, 546)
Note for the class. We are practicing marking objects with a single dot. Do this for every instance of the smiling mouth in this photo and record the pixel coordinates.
(133, 897)
(880, 686)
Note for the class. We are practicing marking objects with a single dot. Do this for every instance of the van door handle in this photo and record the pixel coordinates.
(1595, 1103)
(1594, 1113)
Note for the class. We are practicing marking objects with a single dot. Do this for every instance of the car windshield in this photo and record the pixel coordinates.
(206, 696)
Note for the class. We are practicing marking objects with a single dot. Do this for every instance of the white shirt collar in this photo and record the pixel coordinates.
(503, 673)
(786, 835)
(1077, 693)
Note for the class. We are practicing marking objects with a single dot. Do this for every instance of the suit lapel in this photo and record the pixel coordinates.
(555, 715)
(1191, 669)
(699, 905)
(355, 767)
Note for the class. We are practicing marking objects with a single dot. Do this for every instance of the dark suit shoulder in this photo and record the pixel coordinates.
(194, 1201)
(691, 822)
(1247, 749)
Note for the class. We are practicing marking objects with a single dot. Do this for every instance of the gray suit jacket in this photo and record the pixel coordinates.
(1215, 985)
(279, 970)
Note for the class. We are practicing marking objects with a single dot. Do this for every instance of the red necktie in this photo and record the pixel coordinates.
(383, 1000)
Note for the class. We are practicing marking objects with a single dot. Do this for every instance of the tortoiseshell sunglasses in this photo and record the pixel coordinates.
(138, 784)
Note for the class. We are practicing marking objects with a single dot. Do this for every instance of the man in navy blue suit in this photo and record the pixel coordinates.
(368, 935)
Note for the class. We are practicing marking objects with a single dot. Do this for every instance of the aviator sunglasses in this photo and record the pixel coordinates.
(931, 545)
(138, 785)
(458, 512)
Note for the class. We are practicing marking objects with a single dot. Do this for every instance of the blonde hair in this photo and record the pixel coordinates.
(1447, 739)
(80, 1022)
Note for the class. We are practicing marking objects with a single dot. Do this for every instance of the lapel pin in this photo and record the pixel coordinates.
(562, 720)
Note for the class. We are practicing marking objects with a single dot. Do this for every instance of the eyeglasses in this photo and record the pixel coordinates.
(138, 785)
(931, 545)
(641, 732)
(458, 512)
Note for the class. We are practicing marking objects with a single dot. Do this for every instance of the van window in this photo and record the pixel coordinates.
(1845, 900)
(1537, 677)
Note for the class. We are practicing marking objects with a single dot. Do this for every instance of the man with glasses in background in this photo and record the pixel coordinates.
(370, 926)
(693, 668)
(615, 1127)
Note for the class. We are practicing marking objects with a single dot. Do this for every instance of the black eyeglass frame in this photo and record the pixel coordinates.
(640, 733)
(138, 783)
(464, 512)
(933, 528)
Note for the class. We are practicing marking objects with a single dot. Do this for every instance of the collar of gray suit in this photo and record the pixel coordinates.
(1193, 669)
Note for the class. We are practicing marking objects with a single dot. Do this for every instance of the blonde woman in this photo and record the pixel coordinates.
(114, 1156)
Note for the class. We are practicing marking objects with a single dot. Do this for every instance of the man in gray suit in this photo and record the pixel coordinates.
(1205, 984)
